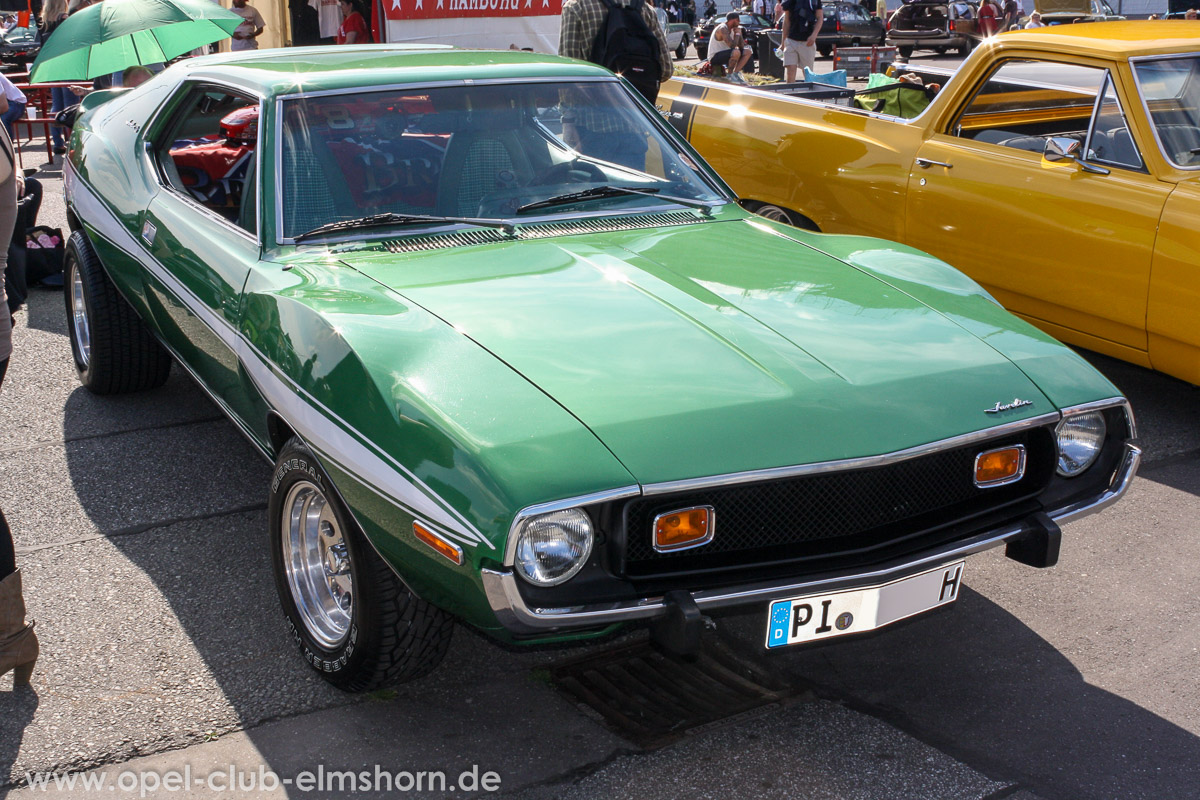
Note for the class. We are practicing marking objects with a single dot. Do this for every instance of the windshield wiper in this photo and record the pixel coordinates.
(391, 218)
(612, 191)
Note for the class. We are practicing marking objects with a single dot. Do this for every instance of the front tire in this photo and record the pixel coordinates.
(114, 352)
(825, 50)
(681, 51)
(353, 620)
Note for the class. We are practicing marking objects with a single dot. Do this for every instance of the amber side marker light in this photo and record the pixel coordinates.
(445, 548)
(999, 467)
(687, 527)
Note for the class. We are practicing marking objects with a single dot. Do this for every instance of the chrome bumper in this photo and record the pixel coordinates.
(517, 617)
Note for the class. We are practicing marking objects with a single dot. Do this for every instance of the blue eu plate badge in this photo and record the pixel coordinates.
(780, 613)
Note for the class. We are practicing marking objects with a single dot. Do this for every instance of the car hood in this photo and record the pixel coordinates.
(714, 348)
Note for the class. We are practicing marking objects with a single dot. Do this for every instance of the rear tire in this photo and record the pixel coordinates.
(905, 51)
(825, 50)
(967, 47)
(681, 51)
(353, 620)
(113, 350)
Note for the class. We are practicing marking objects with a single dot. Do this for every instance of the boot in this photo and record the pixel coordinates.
(18, 642)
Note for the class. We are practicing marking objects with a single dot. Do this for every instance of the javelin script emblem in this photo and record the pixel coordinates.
(1016, 403)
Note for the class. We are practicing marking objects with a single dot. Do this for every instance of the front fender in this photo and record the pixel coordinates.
(414, 422)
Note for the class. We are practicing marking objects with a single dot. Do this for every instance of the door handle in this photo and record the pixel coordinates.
(926, 163)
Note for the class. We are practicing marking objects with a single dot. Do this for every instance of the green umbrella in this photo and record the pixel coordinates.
(115, 34)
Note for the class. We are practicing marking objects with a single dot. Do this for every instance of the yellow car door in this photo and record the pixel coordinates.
(1067, 244)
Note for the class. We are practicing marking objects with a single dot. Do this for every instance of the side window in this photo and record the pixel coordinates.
(208, 153)
(1024, 103)
(1110, 141)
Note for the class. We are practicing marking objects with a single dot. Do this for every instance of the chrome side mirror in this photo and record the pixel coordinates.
(1062, 148)
(1067, 148)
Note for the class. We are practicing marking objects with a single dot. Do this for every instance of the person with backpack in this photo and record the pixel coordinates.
(623, 35)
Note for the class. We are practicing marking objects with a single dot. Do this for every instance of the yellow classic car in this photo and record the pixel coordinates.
(1058, 167)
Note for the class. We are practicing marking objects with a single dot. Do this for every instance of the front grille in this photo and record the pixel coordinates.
(832, 514)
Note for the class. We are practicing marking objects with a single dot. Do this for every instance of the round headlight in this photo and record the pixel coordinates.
(552, 547)
(1080, 438)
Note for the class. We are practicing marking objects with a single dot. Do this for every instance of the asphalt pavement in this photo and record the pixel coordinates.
(140, 528)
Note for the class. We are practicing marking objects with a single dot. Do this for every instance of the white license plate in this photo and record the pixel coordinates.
(822, 616)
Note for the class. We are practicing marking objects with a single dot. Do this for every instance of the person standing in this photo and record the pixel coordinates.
(801, 21)
(53, 13)
(988, 18)
(353, 29)
(583, 20)
(1035, 21)
(1012, 13)
(881, 10)
(245, 36)
(18, 642)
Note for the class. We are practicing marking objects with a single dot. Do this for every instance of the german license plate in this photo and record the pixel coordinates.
(823, 616)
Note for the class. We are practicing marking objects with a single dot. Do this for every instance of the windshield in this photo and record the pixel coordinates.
(1170, 88)
(481, 151)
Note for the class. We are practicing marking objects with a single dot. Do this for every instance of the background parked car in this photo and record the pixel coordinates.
(1065, 12)
(849, 25)
(935, 26)
(19, 47)
(679, 34)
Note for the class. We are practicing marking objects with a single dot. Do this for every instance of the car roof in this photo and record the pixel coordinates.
(293, 70)
(1114, 39)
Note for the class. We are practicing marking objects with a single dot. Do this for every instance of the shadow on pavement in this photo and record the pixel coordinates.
(17, 707)
(205, 650)
(982, 686)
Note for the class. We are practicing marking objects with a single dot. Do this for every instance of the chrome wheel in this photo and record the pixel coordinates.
(317, 564)
(79, 319)
(774, 213)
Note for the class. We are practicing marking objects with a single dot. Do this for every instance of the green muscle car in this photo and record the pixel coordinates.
(520, 360)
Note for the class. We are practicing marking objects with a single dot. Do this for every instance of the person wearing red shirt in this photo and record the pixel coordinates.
(353, 29)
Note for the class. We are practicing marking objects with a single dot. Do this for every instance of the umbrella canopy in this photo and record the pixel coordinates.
(110, 36)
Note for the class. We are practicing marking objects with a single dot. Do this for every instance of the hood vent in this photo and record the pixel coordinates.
(442, 241)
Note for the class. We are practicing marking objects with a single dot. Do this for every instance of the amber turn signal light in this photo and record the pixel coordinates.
(1001, 466)
(687, 527)
(444, 547)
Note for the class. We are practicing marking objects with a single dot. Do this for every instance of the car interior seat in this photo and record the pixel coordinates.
(247, 218)
(485, 153)
(309, 202)
(1180, 141)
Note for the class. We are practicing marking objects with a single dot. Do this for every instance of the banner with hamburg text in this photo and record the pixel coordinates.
(476, 24)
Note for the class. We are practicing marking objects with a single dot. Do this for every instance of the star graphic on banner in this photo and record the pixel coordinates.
(421, 4)
(545, 3)
(440, 4)
(529, 3)
(396, 5)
